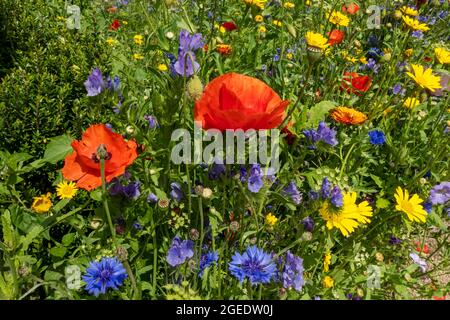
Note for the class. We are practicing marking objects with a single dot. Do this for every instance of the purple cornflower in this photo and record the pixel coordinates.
(152, 122)
(255, 181)
(104, 274)
(372, 65)
(216, 171)
(176, 192)
(417, 34)
(398, 89)
(292, 274)
(152, 198)
(440, 193)
(132, 191)
(323, 133)
(420, 262)
(95, 83)
(427, 206)
(186, 65)
(292, 191)
(207, 260)
(313, 195)
(336, 197)
(180, 251)
(377, 137)
(254, 264)
(326, 188)
(115, 188)
(137, 225)
(394, 241)
(308, 224)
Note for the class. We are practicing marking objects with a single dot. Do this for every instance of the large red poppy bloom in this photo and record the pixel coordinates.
(351, 8)
(114, 25)
(235, 101)
(229, 25)
(83, 164)
(336, 36)
(355, 83)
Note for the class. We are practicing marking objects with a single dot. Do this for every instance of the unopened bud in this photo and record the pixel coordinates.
(194, 234)
(163, 203)
(195, 88)
(234, 226)
(122, 253)
(207, 193)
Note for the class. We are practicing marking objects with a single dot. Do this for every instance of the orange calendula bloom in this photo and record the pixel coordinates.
(236, 101)
(83, 164)
(224, 49)
(348, 116)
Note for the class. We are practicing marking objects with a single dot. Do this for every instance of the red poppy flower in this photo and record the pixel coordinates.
(336, 36)
(425, 248)
(114, 25)
(229, 25)
(438, 298)
(236, 101)
(351, 8)
(289, 136)
(83, 164)
(355, 83)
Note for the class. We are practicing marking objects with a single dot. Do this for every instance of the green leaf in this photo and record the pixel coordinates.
(57, 149)
(318, 112)
(68, 239)
(8, 230)
(61, 204)
(378, 181)
(382, 203)
(52, 276)
(96, 194)
(58, 252)
(31, 235)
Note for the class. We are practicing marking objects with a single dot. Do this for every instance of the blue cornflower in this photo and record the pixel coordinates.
(372, 65)
(336, 197)
(374, 53)
(255, 181)
(176, 192)
(152, 198)
(292, 274)
(326, 188)
(398, 89)
(180, 251)
(115, 188)
(308, 224)
(186, 65)
(216, 171)
(292, 191)
(95, 83)
(137, 225)
(104, 274)
(394, 240)
(132, 191)
(254, 264)
(427, 206)
(242, 174)
(207, 260)
(377, 137)
(152, 122)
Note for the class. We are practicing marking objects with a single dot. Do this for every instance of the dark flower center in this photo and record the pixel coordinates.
(105, 274)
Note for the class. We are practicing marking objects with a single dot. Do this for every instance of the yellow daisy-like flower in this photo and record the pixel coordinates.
(326, 262)
(349, 217)
(411, 102)
(66, 190)
(259, 18)
(271, 220)
(425, 78)
(415, 24)
(442, 55)
(288, 5)
(409, 52)
(162, 67)
(138, 56)
(316, 40)
(339, 19)
(111, 41)
(262, 29)
(328, 282)
(256, 3)
(411, 206)
(289, 56)
(409, 11)
(42, 204)
(277, 23)
(348, 116)
(138, 39)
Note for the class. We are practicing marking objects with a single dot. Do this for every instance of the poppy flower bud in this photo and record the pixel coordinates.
(234, 226)
(313, 54)
(195, 88)
(129, 130)
(122, 253)
(194, 234)
(207, 193)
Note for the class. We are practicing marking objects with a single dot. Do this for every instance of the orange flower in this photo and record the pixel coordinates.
(83, 164)
(336, 37)
(358, 83)
(351, 8)
(236, 101)
(348, 116)
(224, 49)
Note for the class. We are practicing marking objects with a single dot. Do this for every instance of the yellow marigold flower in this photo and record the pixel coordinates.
(347, 218)
(442, 55)
(256, 3)
(138, 39)
(42, 204)
(222, 29)
(424, 77)
(348, 116)
(259, 18)
(138, 56)
(288, 5)
(289, 56)
(409, 52)
(338, 18)
(111, 41)
(411, 102)
(277, 23)
(326, 262)
(224, 49)
(415, 24)
(411, 206)
(409, 11)
(316, 40)
(271, 220)
(262, 29)
(162, 67)
(66, 190)
(328, 282)
(363, 60)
